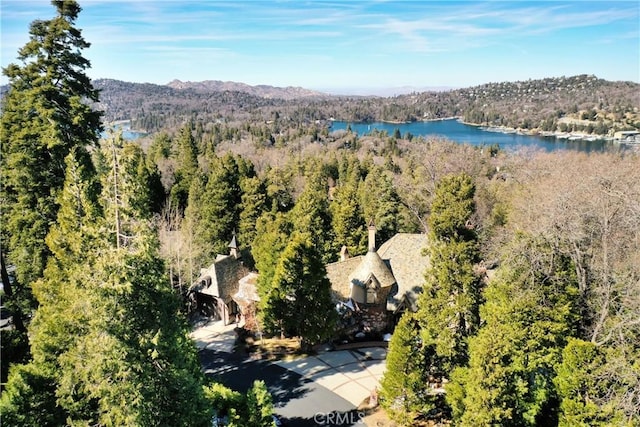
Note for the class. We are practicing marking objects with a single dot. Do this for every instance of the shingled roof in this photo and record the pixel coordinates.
(399, 261)
(372, 264)
(404, 253)
(221, 278)
(338, 274)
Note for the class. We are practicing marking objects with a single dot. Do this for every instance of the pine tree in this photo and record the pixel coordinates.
(530, 313)
(311, 215)
(299, 302)
(255, 409)
(218, 209)
(259, 405)
(63, 313)
(403, 384)
(254, 204)
(279, 183)
(186, 166)
(45, 114)
(346, 219)
(450, 301)
(595, 385)
(273, 231)
(380, 202)
(109, 346)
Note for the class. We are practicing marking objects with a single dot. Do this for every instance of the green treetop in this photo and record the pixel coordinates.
(186, 155)
(450, 301)
(380, 202)
(45, 114)
(403, 384)
(299, 302)
(530, 313)
(347, 220)
(109, 345)
(218, 208)
(311, 214)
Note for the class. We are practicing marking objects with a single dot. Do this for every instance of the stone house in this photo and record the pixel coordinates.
(247, 300)
(373, 290)
(213, 291)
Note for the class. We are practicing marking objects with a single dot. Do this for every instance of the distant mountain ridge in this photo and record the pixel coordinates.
(262, 91)
(581, 103)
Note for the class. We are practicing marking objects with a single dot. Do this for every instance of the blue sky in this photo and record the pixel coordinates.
(346, 46)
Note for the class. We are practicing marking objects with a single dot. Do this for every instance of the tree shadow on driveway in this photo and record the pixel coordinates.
(239, 373)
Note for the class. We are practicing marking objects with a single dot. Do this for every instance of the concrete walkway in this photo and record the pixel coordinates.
(351, 374)
(215, 336)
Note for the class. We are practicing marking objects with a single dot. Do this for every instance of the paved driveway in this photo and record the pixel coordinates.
(307, 391)
(351, 374)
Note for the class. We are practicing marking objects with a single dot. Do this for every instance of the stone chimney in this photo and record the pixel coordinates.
(344, 254)
(372, 236)
(233, 247)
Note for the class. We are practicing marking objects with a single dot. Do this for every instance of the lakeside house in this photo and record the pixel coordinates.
(628, 136)
(371, 291)
(212, 293)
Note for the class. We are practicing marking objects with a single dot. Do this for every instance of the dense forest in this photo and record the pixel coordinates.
(529, 312)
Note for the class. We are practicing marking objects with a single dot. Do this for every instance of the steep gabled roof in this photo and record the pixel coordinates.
(338, 274)
(372, 264)
(399, 262)
(221, 278)
(405, 254)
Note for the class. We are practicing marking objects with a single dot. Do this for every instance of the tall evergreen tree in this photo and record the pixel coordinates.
(299, 302)
(279, 182)
(311, 214)
(190, 227)
(403, 384)
(63, 314)
(186, 157)
(588, 384)
(218, 208)
(254, 204)
(108, 344)
(259, 405)
(530, 313)
(448, 308)
(45, 114)
(347, 221)
(450, 301)
(273, 230)
(381, 203)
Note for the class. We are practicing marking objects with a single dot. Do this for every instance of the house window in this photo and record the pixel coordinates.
(372, 296)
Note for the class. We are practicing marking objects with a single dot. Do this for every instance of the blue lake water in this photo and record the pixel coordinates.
(125, 127)
(456, 131)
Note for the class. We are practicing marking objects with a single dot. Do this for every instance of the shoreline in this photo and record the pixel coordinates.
(121, 124)
(442, 119)
(570, 136)
(557, 135)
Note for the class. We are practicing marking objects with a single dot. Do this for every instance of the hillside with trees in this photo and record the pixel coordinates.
(99, 337)
(582, 103)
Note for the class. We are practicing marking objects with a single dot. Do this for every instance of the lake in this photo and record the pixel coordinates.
(125, 127)
(456, 131)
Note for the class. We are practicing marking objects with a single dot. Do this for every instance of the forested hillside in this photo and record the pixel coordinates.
(580, 103)
(97, 336)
